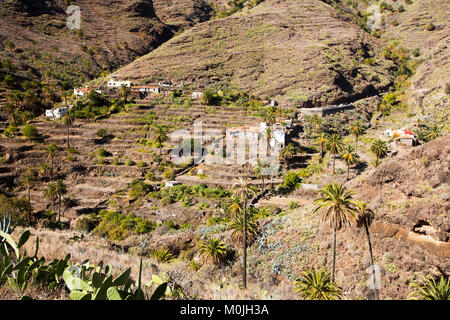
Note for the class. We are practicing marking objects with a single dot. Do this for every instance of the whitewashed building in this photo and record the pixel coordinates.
(146, 89)
(81, 92)
(197, 95)
(57, 113)
(116, 83)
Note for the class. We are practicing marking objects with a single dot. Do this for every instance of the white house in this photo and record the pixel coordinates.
(57, 113)
(145, 89)
(116, 83)
(81, 92)
(197, 95)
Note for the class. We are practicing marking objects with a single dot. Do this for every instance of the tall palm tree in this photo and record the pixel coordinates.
(260, 170)
(16, 97)
(364, 218)
(322, 141)
(269, 115)
(159, 135)
(385, 110)
(61, 190)
(124, 91)
(68, 120)
(357, 129)
(235, 208)
(242, 193)
(288, 152)
(350, 157)
(213, 250)
(379, 148)
(51, 193)
(337, 207)
(318, 286)
(28, 180)
(334, 146)
(52, 150)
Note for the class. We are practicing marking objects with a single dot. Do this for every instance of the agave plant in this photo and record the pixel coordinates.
(430, 289)
(318, 285)
(5, 226)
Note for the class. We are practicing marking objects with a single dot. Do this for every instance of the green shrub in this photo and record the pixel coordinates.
(166, 201)
(102, 133)
(117, 226)
(168, 175)
(141, 164)
(138, 189)
(30, 131)
(116, 162)
(102, 153)
(129, 162)
(11, 131)
(430, 26)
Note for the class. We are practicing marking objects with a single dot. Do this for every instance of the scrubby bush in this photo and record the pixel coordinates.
(430, 26)
(137, 189)
(30, 131)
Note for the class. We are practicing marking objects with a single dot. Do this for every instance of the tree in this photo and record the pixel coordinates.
(242, 193)
(260, 170)
(337, 207)
(357, 129)
(29, 131)
(213, 250)
(10, 45)
(364, 218)
(237, 225)
(322, 141)
(317, 286)
(51, 193)
(16, 97)
(124, 91)
(334, 146)
(288, 152)
(159, 135)
(269, 115)
(44, 169)
(350, 157)
(68, 120)
(379, 148)
(385, 110)
(27, 180)
(52, 150)
(430, 289)
(60, 190)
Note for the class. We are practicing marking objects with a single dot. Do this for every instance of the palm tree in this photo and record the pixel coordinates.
(237, 225)
(28, 180)
(357, 129)
(16, 97)
(322, 141)
(124, 91)
(159, 135)
(65, 96)
(335, 145)
(350, 157)
(288, 152)
(379, 148)
(51, 193)
(260, 170)
(68, 120)
(429, 289)
(242, 193)
(51, 150)
(44, 169)
(364, 218)
(213, 250)
(269, 115)
(235, 208)
(385, 110)
(318, 286)
(337, 207)
(60, 189)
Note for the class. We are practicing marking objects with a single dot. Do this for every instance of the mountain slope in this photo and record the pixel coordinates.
(298, 51)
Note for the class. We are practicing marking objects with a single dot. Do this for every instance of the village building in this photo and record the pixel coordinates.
(402, 136)
(116, 83)
(81, 92)
(57, 113)
(146, 89)
(196, 95)
(278, 133)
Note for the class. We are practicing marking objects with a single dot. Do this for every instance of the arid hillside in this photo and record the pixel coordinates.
(112, 34)
(304, 52)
